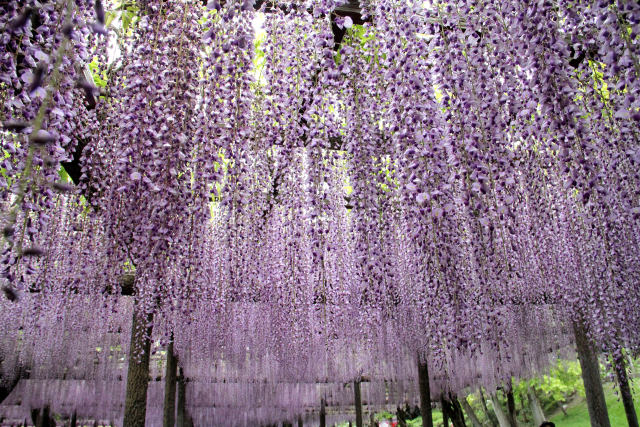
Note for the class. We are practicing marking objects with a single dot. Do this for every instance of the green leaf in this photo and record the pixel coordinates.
(64, 176)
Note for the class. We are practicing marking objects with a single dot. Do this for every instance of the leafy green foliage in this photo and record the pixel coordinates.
(362, 39)
(122, 15)
(563, 380)
(99, 76)
(384, 415)
(436, 416)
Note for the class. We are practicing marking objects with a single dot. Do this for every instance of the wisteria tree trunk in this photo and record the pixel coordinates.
(536, 408)
(491, 417)
(445, 411)
(135, 407)
(402, 417)
(475, 422)
(453, 410)
(425, 394)
(300, 424)
(503, 421)
(511, 406)
(180, 419)
(358, 402)
(620, 367)
(169, 416)
(323, 414)
(43, 417)
(591, 377)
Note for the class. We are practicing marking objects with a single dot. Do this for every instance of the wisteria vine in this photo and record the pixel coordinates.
(301, 212)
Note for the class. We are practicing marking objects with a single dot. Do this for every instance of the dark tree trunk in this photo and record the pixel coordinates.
(323, 414)
(536, 408)
(591, 377)
(358, 402)
(300, 421)
(489, 414)
(503, 419)
(42, 417)
(401, 415)
(74, 420)
(135, 407)
(169, 416)
(180, 420)
(453, 410)
(445, 411)
(620, 367)
(511, 406)
(475, 422)
(425, 393)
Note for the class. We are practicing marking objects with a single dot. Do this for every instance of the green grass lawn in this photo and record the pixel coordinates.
(578, 416)
(436, 417)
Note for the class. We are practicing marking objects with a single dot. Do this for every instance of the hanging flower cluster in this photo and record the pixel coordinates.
(43, 51)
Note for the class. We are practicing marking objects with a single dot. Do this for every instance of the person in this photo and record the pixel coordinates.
(547, 424)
